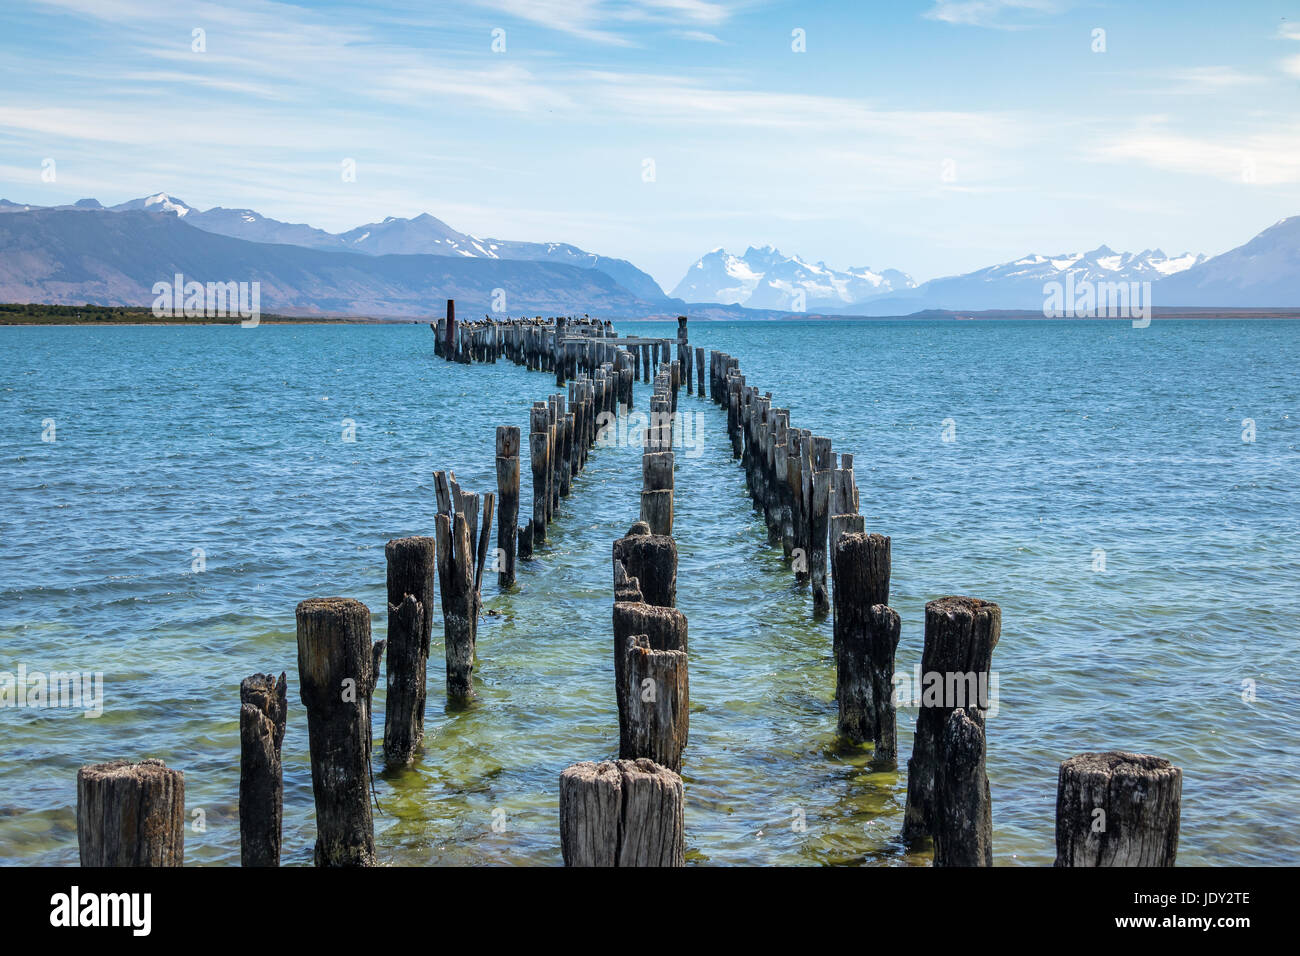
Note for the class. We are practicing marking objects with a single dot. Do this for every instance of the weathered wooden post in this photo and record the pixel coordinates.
(622, 813)
(960, 635)
(665, 627)
(652, 560)
(540, 448)
(459, 611)
(699, 372)
(508, 492)
(131, 814)
(1118, 809)
(963, 825)
(823, 462)
(561, 356)
(866, 639)
(653, 704)
(449, 346)
(657, 488)
(336, 675)
(412, 565)
(263, 708)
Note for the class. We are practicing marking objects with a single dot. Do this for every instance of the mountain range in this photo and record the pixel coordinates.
(764, 278)
(86, 252)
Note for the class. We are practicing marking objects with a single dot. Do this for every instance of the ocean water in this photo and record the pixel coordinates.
(1077, 444)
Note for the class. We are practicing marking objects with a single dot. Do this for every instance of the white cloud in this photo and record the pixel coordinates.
(996, 14)
(1266, 159)
(600, 20)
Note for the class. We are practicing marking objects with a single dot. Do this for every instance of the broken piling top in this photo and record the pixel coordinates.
(131, 814)
(1118, 809)
(622, 813)
(650, 559)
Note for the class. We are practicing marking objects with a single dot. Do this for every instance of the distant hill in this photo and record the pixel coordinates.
(1263, 273)
(421, 235)
(70, 257)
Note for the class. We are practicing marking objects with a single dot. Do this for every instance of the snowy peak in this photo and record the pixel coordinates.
(159, 202)
(764, 278)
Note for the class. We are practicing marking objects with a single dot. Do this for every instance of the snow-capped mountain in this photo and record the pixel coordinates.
(1019, 284)
(764, 278)
(159, 202)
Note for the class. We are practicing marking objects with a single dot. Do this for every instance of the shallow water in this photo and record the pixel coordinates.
(1070, 437)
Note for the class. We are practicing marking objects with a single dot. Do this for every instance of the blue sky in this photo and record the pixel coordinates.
(932, 137)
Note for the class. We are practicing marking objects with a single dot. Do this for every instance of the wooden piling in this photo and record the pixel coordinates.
(652, 560)
(131, 814)
(336, 677)
(823, 462)
(508, 493)
(865, 641)
(653, 704)
(963, 825)
(960, 635)
(1118, 809)
(622, 813)
(263, 708)
(412, 564)
(657, 489)
(539, 445)
(665, 627)
(459, 611)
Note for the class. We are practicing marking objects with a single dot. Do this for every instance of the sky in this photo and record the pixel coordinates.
(935, 137)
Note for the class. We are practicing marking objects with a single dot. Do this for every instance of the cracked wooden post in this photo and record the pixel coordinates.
(555, 411)
(456, 582)
(508, 493)
(622, 813)
(1118, 809)
(657, 488)
(263, 708)
(336, 676)
(823, 462)
(963, 826)
(653, 704)
(480, 563)
(131, 814)
(412, 564)
(866, 639)
(960, 635)
(540, 449)
(665, 627)
(652, 560)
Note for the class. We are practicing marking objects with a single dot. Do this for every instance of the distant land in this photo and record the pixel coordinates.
(407, 268)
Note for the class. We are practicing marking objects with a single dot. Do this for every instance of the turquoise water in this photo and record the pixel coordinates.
(1070, 437)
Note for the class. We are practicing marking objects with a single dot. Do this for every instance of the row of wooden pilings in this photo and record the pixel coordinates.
(133, 814)
(1113, 809)
(631, 811)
